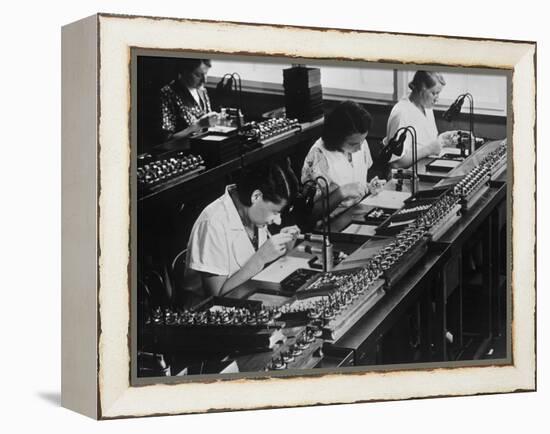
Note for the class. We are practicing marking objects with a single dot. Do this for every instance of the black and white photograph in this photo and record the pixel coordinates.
(305, 217)
(261, 216)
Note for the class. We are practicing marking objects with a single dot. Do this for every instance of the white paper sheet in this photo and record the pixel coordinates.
(360, 229)
(213, 138)
(281, 268)
(269, 300)
(449, 150)
(221, 129)
(448, 163)
(387, 199)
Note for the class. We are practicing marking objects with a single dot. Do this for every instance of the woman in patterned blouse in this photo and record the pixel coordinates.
(184, 103)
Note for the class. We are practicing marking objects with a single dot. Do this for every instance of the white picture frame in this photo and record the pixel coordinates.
(97, 211)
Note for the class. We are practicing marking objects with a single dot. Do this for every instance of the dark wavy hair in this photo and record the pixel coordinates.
(425, 80)
(276, 181)
(347, 118)
(186, 65)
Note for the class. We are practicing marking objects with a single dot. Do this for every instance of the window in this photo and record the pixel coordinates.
(255, 76)
(339, 82)
(370, 84)
(359, 83)
(488, 90)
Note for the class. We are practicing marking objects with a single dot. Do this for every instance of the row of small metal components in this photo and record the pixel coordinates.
(303, 342)
(437, 211)
(482, 172)
(471, 182)
(404, 241)
(496, 156)
(348, 288)
(221, 317)
(162, 170)
(271, 127)
(418, 208)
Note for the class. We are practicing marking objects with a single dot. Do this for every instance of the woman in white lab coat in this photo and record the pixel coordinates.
(342, 157)
(230, 242)
(416, 110)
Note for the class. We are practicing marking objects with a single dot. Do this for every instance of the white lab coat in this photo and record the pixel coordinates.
(405, 114)
(218, 243)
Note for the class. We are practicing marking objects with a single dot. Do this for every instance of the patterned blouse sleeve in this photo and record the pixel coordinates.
(316, 164)
(167, 111)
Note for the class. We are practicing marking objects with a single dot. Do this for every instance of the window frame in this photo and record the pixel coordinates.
(400, 89)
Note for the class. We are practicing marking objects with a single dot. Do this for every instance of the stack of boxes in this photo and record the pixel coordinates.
(303, 93)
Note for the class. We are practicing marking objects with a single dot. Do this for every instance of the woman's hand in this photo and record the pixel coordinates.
(448, 138)
(294, 231)
(274, 247)
(208, 120)
(353, 190)
(376, 185)
(434, 148)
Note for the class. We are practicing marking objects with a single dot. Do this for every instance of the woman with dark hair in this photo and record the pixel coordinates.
(230, 242)
(342, 157)
(184, 102)
(416, 110)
